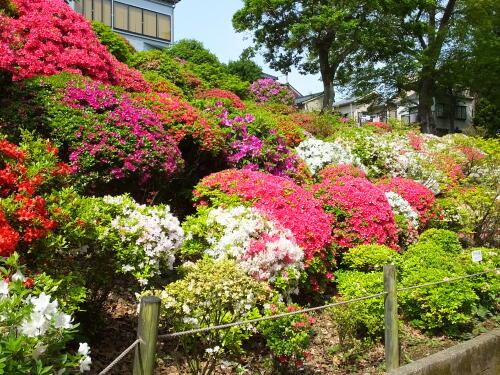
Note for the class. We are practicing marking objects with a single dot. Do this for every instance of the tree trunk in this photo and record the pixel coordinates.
(328, 72)
(425, 100)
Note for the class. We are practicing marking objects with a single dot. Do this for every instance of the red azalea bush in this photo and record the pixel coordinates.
(222, 94)
(362, 214)
(340, 170)
(278, 198)
(383, 126)
(48, 37)
(24, 176)
(180, 120)
(420, 198)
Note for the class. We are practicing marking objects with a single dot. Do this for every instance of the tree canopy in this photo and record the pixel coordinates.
(315, 36)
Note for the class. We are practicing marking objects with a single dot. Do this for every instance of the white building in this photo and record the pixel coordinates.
(146, 24)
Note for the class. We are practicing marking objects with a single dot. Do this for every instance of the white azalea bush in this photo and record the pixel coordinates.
(264, 249)
(145, 238)
(317, 154)
(407, 219)
(35, 326)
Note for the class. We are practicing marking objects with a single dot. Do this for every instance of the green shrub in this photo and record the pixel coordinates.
(211, 293)
(288, 338)
(445, 307)
(193, 51)
(117, 45)
(369, 257)
(246, 69)
(446, 239)
(364, 318)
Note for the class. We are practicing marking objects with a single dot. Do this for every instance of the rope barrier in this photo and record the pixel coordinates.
(120, 357)
(277, 316)
(229, 325)
(448, 280)
(272, 317)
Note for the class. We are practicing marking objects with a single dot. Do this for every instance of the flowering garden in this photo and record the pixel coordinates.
(161, 176)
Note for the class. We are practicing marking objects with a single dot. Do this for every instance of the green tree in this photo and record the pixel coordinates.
(117, 45)
(245, 68)
(193, 51)
(313, 35)
(425, 48)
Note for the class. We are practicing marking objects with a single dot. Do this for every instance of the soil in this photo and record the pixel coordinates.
(328, 356)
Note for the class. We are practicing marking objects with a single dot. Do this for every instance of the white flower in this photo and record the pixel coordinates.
(400, 206)
(18, 276)
(36, 325)
(38, 350)
(85, 363)
(43, 305)
(84, 349)
(4, 289)
(62, 320)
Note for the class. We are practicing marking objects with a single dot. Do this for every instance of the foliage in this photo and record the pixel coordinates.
(445, 307)
(288, 338)
(222, 94)
(310, 36)
(245, 68)
(211, 293)
(36, 329)
(216, 76)
(364, 318)
(193, 51)
(53, 38)
(368, 258)
(117, 45)
(447, 240)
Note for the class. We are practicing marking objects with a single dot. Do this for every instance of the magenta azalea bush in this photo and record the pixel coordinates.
(125, 141)
(270, 90)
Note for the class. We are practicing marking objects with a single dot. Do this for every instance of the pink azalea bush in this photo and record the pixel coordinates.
(280, 200)
(48, 37)
(340, 170)
(362, 214)
(269, 90)
(421, 198)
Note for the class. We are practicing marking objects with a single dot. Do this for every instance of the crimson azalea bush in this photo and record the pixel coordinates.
(421, 198)
(340, 170)
(362, 214)
(281, 200)
(48, 37)
(27, 173)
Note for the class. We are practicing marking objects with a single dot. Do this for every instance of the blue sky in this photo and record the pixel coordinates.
(210, 23)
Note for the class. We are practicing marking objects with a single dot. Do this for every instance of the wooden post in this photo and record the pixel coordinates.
(391, 318)
(147, 332)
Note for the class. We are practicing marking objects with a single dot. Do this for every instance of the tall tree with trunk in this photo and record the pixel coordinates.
(313, 35)
(414, 54)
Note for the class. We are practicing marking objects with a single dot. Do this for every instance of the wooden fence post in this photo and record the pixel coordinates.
(147, 332)
(391, 318)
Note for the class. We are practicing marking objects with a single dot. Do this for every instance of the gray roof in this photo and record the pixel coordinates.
(305, 98)
(346, 101)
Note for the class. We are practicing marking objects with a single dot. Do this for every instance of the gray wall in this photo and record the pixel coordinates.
(479, 356)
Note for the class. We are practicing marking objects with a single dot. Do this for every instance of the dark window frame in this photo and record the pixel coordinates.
(461, 112)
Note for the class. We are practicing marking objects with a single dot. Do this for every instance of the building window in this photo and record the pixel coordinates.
(440, 110)
(127, 18)
(142, 21)
(95, 10)
(460, 112)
